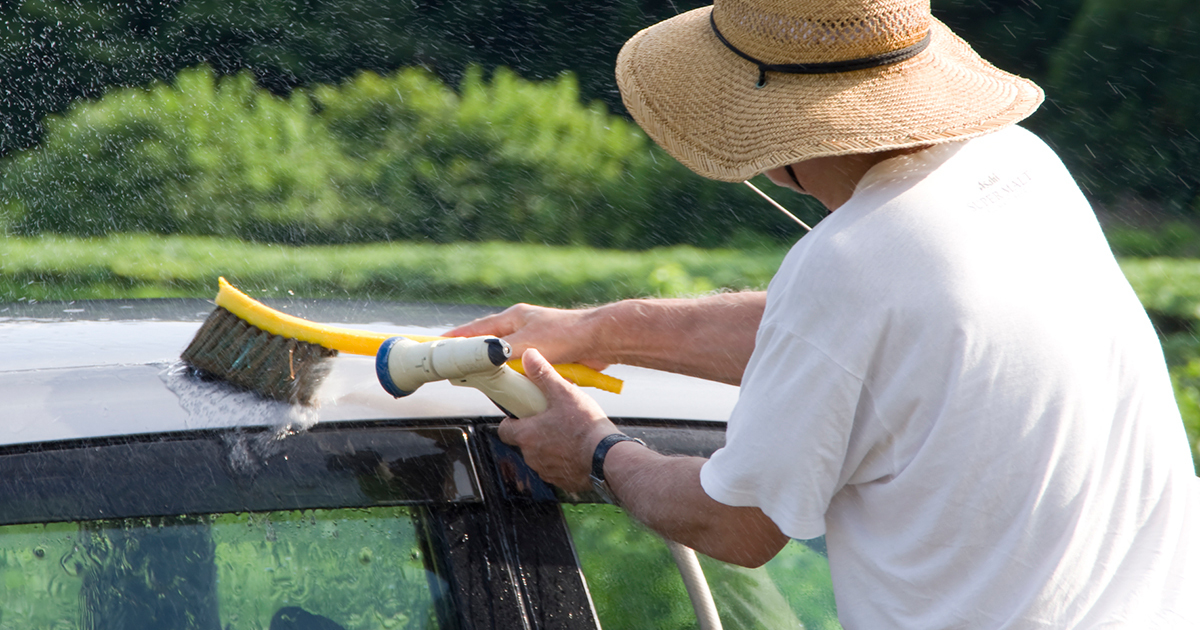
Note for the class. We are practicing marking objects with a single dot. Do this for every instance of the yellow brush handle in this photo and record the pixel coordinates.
(266, 318)
(363, 342)
(581, 375)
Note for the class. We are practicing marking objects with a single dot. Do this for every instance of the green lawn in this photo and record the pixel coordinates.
(133, 266)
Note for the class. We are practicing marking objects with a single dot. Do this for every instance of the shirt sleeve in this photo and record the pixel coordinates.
(789, 435)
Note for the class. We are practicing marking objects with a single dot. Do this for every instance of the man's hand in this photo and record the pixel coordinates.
(558, 443)
(562, 336)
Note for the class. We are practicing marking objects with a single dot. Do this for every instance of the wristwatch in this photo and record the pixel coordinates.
(599, 483)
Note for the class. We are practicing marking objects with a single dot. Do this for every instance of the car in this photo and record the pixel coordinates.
(136, 494)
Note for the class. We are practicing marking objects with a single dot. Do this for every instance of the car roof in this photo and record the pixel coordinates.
(87, 369)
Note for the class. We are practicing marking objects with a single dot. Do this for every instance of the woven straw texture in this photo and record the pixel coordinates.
(697, 99)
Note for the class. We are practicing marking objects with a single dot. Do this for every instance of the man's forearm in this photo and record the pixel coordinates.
(664, 493)
(710, 337)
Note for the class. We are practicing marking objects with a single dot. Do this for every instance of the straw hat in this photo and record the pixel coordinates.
(745, 86)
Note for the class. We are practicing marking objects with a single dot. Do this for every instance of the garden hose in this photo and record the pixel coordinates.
(696, 585)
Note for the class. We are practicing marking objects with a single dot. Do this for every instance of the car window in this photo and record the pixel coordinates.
(632, 577)
(356, 568)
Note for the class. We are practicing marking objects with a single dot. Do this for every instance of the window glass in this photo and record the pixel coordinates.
(632, 579)
(356, 568)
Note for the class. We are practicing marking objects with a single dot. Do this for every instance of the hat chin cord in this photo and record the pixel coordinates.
(776, 203)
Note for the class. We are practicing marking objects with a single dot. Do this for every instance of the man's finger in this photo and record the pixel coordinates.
(539, 370)
(497, 325)
(507, 431)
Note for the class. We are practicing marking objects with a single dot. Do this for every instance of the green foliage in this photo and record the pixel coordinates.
(1167, 287)
(56, 51)
(1186, 379)
(196, 157)
(1123, 90)
(511, 159)
(377, 158)
(1175, 239)
(62, 268)
(1122, 78)
(1121, 75)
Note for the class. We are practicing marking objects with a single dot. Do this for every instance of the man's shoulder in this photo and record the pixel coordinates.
(935, 224)
(954, 184)
(1011, 148)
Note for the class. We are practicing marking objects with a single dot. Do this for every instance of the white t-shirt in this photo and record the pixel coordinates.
(955, 384)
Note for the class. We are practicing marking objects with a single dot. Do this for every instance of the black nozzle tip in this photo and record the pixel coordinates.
(498, 351)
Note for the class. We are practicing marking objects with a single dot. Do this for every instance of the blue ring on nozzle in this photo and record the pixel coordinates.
(383, 372)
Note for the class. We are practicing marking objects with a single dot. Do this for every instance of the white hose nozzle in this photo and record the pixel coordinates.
(403, 365)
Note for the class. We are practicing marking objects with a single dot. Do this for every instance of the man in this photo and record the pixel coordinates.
(949, 378)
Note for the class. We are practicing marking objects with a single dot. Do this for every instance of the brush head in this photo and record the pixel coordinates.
(230, 349)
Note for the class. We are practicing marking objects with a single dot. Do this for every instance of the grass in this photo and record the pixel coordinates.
(141, 265)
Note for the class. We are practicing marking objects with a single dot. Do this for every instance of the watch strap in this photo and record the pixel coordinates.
(602, 451)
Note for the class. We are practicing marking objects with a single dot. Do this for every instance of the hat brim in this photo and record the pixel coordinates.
(698, 100)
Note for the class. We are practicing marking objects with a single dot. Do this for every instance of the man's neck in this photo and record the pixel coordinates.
(832, 180)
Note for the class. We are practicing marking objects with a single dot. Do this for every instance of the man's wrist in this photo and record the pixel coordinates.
(599, 455)
(597, 332)
(612, 330)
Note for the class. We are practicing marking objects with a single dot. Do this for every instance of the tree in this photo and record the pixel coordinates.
(1018, 36)
(53, 52)
(1123, 92)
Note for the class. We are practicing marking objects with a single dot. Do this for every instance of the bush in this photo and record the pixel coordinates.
(1121, 75)
(56, 51)
(508, 160)
(198, 157)
(401, 157)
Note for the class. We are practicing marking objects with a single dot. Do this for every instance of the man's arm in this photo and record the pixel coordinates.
(662, 492)
(710, 337)
(665, 494)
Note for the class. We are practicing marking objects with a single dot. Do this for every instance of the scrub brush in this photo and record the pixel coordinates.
(283, 357)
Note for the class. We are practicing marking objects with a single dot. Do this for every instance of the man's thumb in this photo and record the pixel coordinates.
(539, 370)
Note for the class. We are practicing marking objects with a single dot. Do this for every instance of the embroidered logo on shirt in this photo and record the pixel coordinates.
(996, 196)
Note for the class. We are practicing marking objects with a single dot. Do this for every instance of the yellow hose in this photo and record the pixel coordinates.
(363, 342)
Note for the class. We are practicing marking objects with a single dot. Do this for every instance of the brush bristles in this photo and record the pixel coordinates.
(230, 349)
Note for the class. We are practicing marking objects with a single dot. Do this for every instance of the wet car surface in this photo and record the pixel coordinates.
(67, 366)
